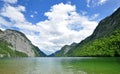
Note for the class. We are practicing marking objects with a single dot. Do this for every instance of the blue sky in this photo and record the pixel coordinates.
(51, 24)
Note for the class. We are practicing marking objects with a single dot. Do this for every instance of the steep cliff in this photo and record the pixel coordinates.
(14, 42)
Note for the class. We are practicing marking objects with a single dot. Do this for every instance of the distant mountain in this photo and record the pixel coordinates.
(15, 44)
(64, 50)
(105, 40)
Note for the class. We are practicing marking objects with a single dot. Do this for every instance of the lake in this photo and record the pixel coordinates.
(60, 65)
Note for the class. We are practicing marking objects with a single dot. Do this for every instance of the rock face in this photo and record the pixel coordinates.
(17, 41)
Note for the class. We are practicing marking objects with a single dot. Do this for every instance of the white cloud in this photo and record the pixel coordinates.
(88, 1)
(10, 1)
(93, 3)
(94, 16)
(13, 13)
(36, 12)
(31, 16)
(83, 12)
(101, 2)
(21, 8)
(115, 9)
(56, 31)
(2, 29)
(3, 22)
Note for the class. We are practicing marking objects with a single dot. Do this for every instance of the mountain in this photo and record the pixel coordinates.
(15, 44)
(40, 53)
(105, 40)
(64, 50)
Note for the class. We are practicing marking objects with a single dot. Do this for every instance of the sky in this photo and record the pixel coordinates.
(51, 24)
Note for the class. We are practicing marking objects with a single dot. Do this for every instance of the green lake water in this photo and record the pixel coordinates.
(62, 65)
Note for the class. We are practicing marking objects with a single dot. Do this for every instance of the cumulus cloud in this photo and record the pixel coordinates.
(10, 1)
(93, 3)
(4, 22)
(13, 13)
(63, 26)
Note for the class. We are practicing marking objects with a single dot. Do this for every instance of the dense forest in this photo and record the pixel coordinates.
(107, 46)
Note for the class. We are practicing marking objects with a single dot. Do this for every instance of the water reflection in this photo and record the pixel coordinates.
(59, 66)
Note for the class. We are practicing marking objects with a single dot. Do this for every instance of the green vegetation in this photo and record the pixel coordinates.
(19, 54)
(7, 52)
(107, 46)
(105, 40)
(5, 45)
(37, 51)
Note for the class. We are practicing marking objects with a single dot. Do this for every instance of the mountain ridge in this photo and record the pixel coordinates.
(106, 34)
(16, 41)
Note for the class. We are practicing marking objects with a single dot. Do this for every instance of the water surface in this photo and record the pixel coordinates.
(63, 65)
